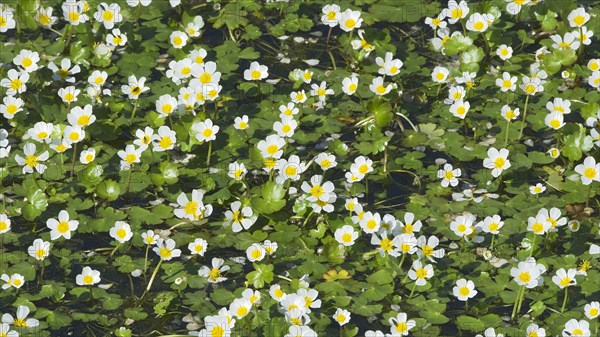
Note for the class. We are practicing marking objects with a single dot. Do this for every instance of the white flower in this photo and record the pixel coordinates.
(565, 278)
(21, 320)
(514, 6)
(531, 86)
(237, 170)
(150, 238)
(69, 94)
(341, 316)
(240, 217)
(568, 41)
(14, 280)
(271, 147)
(455, 94)
(577, 328)
(349, 20)
(166, 250)
(321, 91)
(325, 161)
(592, 309)
(449, 175)
(255, 252)
(331, 15)
(61, 227)
(538, 224)
(362, 165)
(88, 277)
(298, 96)
(507, 82)
(193, 28)
(462, 226)
(129, 156)
(428, 248)
(11, 106)
(31, 160)
(401, 325)
(288, 110)
(477, 23)
(440, 74)
(81, 117)
(108, 14)
(289, 169)
(7, 19)
(164, 140)
(578, 17)
(39, 250)
(559, 105)
(144, 137)
(497, 161)
(15, 82)
(198, 246)
(455, 11)
(464, 289)
(528, 273)
(504, 52)
(460, 108)
(116, 38)
(165, 105)
(405, 243)
(65, 72)
(193, 209)
(4, 223)
(270, 247)
(73, 12)
(285, 127)
(437, 22)
(121, 232)
(589, 170)
(214, 274)
(593, 79)
(490, 332)
(134, 87)
(178, 39)
(133, 3)
(537, 189)
(27, 60)
(241, 123)
(256, 72)
(554, 120)
(87, 156)
(420, 273)
(349, 85)
(318, 190)
(535, 330)
(300, 331)
(346, 235)
(389, 66)
(509, 114)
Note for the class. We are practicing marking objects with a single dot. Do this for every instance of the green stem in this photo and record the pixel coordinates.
(492, 244)
(152, 278)
(128, 179)
(565, 300)
(137, 102)
(74, 157)
(524, 115)
(514, 311)
(146, 262)
(506, 134)
(208, 155)
(467, 305)
(307, 218)
(114, 250)
(413, 290)
(521, 301)
(532, 245)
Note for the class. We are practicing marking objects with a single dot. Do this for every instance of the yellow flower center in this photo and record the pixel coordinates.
(74, 136)
(331, 15)
(136, 90)
(317, 191)
(499, 162)
(577, 332)
(3, 226)
(31, 160)
(590, 173)
(593, 312)
(16, 84)
(507, 83)
(555, 123)
(464, 291)
(73, 16)
(421, 273)
(350, 23)
(167, 108)
(130, 158)
(565, 281)
(214, 274)
(461, 228)
(217, 331)
(286, 128)
(40, 253)
(121, 233)
(20, 323)
(88, 279)
(63, 227)
(456, 13)
(347, 237)
(401, 327)
(165, 253)
(242, 311)
(386, 244)
(186, 71)
(352, 87)
(427, 250)
(44, 19)
(17, 282)
(190, 207)
(255, 74)
(165, 142)
(83, 120)
(363, 168)
(272, 149)
(27, 62)
(256, 254)
(107, 15)
(579, 20)
(177, 40)
(340, 318)
(525, 277)
(530, 89)
(478, 25)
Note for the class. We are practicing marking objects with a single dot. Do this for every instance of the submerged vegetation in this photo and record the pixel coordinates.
(245, 168)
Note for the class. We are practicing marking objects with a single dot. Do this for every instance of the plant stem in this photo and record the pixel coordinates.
(128, 179)
(514, 311)
(506, 134)
(73, 161)
(413, 290)
(492, 244)
(524, 115)
(467, 305)
(208, 155)
(564, 300)
(152, 278)
(532, 245)
(146, 263)
(137, 102)
(521, 301)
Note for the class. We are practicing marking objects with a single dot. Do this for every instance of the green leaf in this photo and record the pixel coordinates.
(262, 274)
(470, 324)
